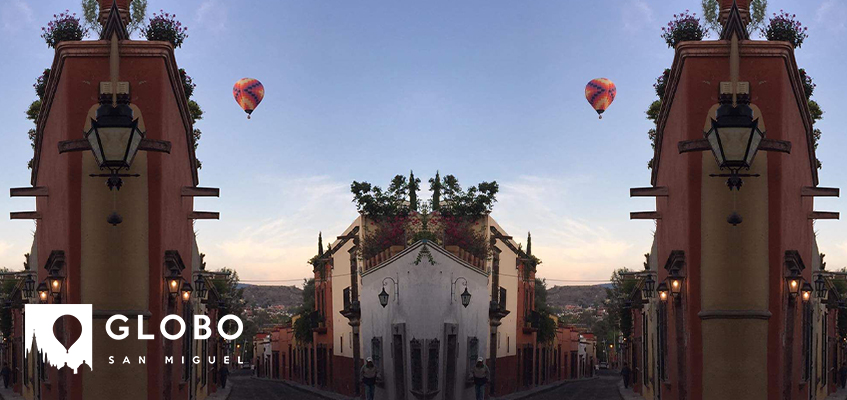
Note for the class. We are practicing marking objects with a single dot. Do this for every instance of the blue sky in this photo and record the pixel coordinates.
(484, 90)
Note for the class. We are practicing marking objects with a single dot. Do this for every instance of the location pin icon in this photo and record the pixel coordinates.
(72, 327)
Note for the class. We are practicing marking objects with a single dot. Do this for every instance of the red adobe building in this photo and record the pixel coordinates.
(126, 268)
(734, 308)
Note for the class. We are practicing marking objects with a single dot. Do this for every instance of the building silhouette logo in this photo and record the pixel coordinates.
(61, 334)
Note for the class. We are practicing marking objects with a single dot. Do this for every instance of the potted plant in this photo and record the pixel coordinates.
(785, 27)
(683, 27)
(165, 27)
(64, 27)
(40, 84)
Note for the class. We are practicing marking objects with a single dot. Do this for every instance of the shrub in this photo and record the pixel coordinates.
(64, 27)
(188, 84)
(662, 83)
(808, 84)
(41, 83)
(165, 27)
(684, 27)
(784, 27)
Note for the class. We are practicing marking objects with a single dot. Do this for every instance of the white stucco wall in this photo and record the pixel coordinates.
(509, 278)
(425, 308)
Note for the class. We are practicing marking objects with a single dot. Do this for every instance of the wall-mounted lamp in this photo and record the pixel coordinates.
(806, 291)
(200, 286)
(383, 296)
(186, 291)
(663, 291)
(820, 287)
(466, 296)
(29, 286)
(649, 287)
(43, 292)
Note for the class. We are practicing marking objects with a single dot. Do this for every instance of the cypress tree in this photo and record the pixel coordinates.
(320, 245)
(435, 186)
(529, 243)
(413, 191)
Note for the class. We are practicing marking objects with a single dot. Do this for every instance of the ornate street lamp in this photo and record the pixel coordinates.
(734, 138)
(806, 291)
(200, 286)
(649, 286)
(820, 286)
(466, 298)
(174, 282)
(676, 285)
(114, 138)
(383, 297)
(794, 282)
(43, 291)
(186, 291)
(55, 282)
(29, 286)
(663, 291)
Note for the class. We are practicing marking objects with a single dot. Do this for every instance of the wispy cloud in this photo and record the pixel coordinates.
(831, 15)
(570, 246)
(636, 15)
(278, 247)
(15, 15)
(211, 15)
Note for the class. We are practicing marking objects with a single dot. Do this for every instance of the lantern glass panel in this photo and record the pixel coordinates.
(383, 297)
(466, 298)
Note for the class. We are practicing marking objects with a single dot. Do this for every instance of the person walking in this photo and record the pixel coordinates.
(842, 374)
(481, 374)
(224, 374)
(369, 373)
(6, 373)
(625, 372)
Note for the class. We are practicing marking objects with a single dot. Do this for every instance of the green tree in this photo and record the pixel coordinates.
(653, 111)
(195, 111)
(231, 295)
(711, 15)
(617, 296)
(435, 188)
(308, 317)
(546, 324)
(414, 186)
(91, 15)
(33, 110)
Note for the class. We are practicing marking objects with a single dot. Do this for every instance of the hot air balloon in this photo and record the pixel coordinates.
(600, 93)
(248, 92)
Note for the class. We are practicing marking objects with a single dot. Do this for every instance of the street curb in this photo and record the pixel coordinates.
(540, 389)
(307, 389)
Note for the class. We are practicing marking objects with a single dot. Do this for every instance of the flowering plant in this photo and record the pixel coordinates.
(165, 27)
(662, 83)
(40, 84)
(388, 231)
(808, 84)
(467, 234)
(63, 27)
(188, 84)
(683, 27)
(783, 26)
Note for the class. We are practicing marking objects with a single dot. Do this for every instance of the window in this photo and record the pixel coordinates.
(341, 343)
(502, 298)
(807, 341)
(824, 346)
(432, 365)
(188, 316)
(399, 361)
(663, 340)
(376, 352)
(425, 353)
(473, 352)
(450, 372)
(645, 351)
(417, 365)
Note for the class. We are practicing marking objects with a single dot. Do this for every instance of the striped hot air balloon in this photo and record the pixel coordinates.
(600, 93)
(248, 92)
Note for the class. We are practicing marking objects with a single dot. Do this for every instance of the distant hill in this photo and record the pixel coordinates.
(289, 297)
(560, 296)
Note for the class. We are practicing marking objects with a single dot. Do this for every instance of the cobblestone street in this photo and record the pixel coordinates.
(246, 388)
(603, 388)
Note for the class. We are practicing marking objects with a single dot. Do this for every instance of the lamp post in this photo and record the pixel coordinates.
(466, 296)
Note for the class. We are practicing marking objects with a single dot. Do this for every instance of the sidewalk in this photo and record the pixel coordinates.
(628, 394)
(528, 394)
(309, 389)
(8, 394)
(221, 394)
(841, 394)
